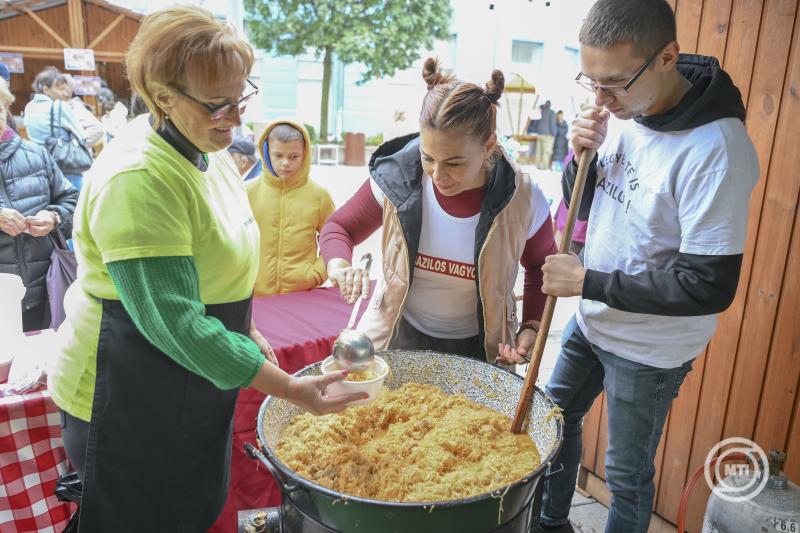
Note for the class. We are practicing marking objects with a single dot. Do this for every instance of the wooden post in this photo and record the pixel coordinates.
(77, 30)
(77, 33)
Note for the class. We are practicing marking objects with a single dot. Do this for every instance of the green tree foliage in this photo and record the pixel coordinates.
(384, 35)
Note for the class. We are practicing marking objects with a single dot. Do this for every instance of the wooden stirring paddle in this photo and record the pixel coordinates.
(550, 304)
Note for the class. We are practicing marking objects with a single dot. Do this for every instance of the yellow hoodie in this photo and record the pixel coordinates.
(290, 214)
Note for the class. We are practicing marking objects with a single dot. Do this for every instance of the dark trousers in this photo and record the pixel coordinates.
(410, 338)
(75, 432)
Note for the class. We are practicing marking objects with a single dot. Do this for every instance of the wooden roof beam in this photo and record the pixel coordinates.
(8, 7)
(58, 53)
(114, 23)
(115, 8)
(45, 26)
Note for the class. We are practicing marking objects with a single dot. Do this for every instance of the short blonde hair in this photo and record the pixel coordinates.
(181, 47)
(6, 98)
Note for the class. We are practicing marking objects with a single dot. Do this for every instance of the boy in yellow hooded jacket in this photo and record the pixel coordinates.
(290, 210)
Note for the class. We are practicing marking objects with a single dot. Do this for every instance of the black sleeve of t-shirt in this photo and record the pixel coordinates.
(568, 181)
(695, 285)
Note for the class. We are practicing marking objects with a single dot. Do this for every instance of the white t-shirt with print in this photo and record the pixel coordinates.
(443, 301)
(657, 194)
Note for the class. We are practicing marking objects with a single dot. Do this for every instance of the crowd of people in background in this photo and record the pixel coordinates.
(35, 198)
(55, 107)
(56, 111)
(549, 148)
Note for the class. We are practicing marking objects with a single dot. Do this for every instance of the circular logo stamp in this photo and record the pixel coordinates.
(737, 482)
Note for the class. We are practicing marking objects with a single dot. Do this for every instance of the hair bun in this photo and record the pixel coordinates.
(495, 86)
(432, 73)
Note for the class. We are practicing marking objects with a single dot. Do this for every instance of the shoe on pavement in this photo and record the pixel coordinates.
(537, 528)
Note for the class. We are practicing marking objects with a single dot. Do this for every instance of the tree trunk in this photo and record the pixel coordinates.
(326, 89)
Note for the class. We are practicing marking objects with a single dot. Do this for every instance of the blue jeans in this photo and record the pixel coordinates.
(638, 398)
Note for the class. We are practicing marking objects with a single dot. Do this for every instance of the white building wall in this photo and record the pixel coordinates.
(483, 40)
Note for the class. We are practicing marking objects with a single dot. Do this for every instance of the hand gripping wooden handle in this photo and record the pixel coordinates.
(550, 304)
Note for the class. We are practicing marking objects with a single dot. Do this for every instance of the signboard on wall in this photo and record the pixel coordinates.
(87, 85)
(79, 59)
(13, 62)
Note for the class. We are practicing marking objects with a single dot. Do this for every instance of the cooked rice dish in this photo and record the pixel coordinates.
(362, 375)
(413, 444)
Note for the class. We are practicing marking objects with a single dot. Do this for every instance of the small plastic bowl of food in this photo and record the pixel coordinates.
(369, 380)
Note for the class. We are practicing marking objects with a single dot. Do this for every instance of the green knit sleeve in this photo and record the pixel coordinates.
(162, 296)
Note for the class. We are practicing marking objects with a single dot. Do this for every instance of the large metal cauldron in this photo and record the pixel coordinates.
(308, 507)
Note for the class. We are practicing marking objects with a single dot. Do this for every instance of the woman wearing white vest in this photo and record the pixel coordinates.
(458, 218)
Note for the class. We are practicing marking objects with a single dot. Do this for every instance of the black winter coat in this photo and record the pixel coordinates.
(32, 182)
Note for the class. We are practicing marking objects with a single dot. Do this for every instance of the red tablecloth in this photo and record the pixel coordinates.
(301, 328)
(32, 457)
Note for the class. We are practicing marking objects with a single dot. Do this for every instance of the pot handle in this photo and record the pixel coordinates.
(550, 472)
(254, 453)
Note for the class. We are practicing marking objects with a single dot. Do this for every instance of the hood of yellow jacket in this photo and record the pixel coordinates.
(268, 174)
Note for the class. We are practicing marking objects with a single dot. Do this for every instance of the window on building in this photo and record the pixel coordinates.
(527, 53)
(573, 57)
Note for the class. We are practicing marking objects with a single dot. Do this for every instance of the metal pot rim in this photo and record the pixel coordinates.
(495, 494)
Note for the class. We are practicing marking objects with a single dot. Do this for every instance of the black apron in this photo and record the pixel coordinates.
(159, 445)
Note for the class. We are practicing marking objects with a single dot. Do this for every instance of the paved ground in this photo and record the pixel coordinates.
(588, 515)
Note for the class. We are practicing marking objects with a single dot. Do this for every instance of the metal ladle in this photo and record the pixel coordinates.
(353, 350)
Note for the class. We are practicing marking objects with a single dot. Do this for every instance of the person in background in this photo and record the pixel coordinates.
(49, 94)
(530, 129)
(560, 143)
(244, 132)
(159, 336)
(90, 123)
(138, 106)
(459, 218)
(578, 231)
(34, 199)
(243, 153)
(6, 75)
(290, 210)
(546, 134)
(115, 114)
(106, 99)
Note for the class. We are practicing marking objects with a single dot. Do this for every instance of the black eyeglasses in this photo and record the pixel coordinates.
(615, 90)
(218, 112)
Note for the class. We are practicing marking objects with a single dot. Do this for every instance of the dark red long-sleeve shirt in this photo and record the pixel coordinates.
(361, 215)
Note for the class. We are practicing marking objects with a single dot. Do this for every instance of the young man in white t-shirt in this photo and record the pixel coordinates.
(666, 200)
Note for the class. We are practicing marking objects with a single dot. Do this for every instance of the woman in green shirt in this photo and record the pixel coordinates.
(158, 338)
